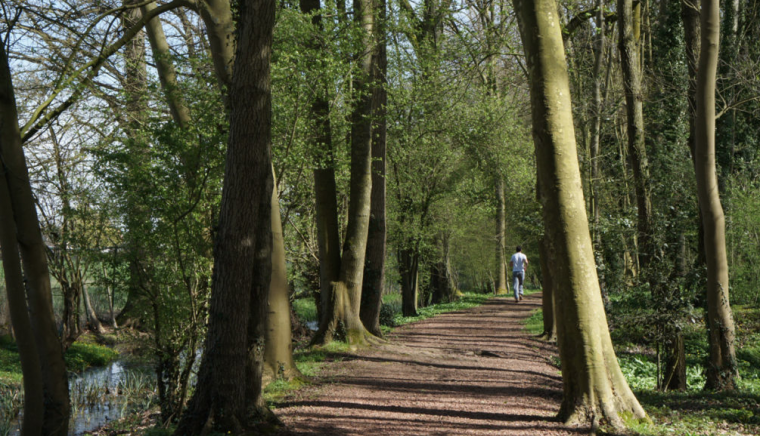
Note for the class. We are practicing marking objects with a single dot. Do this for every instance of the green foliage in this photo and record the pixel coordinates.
(743, 240)
(10, 364)
(534, 324)
(81, 356)
(305, 309)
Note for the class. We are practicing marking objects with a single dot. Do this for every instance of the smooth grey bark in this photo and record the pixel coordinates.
(278, 350)
(374, 269)
(593, 384)
(346, 291)
(722, 370)
(167, 75)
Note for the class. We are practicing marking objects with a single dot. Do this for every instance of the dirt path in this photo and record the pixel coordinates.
(474, 372)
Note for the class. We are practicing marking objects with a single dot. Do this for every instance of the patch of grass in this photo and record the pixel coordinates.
(81, 356)
(10, 365)
(467, 301)
(699, 413)
(534, 324)
(305, 309)
(309, 361)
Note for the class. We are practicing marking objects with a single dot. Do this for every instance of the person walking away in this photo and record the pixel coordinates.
(519, 263)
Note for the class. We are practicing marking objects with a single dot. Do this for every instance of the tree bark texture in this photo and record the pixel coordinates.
(597, 125)
(722, 369)
(442, 286)
(501, 235)
(346, 292)
(325, 194)
(408, 264)
(28, 242)
(14, 285)
(547, 291)
(374, 268)
(220, 29)
(135, 110)
(630, 66)
(594, 387)
(227, 397)
(165, 68)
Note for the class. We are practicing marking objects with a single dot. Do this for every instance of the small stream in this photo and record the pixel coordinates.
(101, 395)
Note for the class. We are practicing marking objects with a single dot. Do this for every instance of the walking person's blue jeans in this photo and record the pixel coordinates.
(517, 283)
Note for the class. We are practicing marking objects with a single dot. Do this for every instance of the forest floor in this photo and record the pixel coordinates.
(471, 372)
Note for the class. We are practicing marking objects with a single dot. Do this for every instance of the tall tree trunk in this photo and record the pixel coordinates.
(722, 370)
(547, 294)
(71, 305)
(227, 397)
(408, 264)
(325, 194)
(629, 58)
(135, 88)
(14, 286)
(165, 68)
(443, 289)
(501, 235)
(726, 125)
(346, 292)
(597, 126)
(95, 323)
(34, 261)
(278, 351)
(220, 30)
(374, 269)
(594, 386)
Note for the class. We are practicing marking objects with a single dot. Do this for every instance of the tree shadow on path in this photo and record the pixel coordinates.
(471, 372)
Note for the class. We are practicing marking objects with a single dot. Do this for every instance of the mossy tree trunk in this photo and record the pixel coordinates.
(228, 394)
(634, 99)
(594, 387)
(346, 291)
(722, 369)
(278, 352)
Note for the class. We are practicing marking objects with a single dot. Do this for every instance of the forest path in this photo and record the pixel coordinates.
(471, 372)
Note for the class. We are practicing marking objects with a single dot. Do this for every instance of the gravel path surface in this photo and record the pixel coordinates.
(473, 372)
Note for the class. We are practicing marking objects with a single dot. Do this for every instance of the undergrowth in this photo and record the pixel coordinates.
(694, 412)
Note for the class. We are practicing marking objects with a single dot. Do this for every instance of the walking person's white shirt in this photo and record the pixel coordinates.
(519, 263)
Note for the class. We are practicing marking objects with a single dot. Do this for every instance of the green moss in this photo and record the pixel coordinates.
(81, 356)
